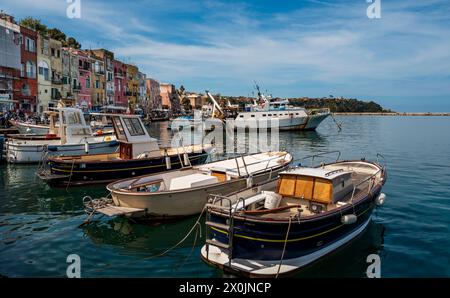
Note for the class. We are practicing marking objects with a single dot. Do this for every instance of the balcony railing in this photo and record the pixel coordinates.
(56, 96)
(56, 81)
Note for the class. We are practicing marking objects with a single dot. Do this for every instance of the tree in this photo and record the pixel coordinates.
(186, 104)
(34, 24)
(57, 34)
(73, 43)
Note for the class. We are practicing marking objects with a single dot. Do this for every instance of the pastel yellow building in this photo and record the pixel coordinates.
(98, 91)
(132, 84)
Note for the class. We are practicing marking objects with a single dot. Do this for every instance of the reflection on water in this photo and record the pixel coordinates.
(350, 261)
(39, 225)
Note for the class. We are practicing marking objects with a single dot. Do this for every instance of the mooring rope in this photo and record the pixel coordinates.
(197, 223)
(284, 247)
(71, 173)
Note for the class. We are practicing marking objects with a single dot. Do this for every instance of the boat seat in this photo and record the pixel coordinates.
(255, 199)
(191, 181)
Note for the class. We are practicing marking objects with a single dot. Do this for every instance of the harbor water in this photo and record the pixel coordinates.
(39, 226)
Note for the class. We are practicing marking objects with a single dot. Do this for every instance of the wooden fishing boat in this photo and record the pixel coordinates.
(138, 154)
(184, 192)
(309, 213)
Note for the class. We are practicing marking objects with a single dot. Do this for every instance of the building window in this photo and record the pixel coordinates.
(22, 70)
(26, 90)
(97, 84)
(30, 45)
(31, 71)
(43, 70)
(45, 47)
(88, 82)
(53, 52)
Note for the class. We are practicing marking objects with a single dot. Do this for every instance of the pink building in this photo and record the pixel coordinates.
(120, 83)
(84, 100)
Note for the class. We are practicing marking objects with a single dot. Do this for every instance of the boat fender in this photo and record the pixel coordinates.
(349, 219)
(52, 148)
(272, 200)
(86, 146)
(250, 181)
(185, 159)
(380, 199)
(168, 163)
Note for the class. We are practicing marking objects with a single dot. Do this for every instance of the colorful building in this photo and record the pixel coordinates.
(70, 80)
(120, 84)
(132, 89)
(10, 62)
(84, 100)
(169, 98)
(154, 99)
(44, 74)
(107, 58)
(25, 88)
(98, 90)
(142, 90)
(56, 70)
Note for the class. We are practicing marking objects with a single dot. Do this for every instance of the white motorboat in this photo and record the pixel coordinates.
(73, 137)
(184, 192)
(29, 128)
(269, 114)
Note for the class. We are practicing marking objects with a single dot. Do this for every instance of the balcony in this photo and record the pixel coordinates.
(76, 88)
(56, 96)
(56, 81)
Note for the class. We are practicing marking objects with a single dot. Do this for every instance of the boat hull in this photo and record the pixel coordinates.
(23, 152)
(187, 201)
(75, 172)
(266, 238)
(306, 122)
(272, 268)
(26, 128)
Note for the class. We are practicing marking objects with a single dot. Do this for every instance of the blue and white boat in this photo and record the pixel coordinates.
(72, 137)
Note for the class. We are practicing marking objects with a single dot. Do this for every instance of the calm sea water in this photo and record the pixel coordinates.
(411, 232)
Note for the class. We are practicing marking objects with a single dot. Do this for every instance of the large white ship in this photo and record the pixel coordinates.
(274, 114)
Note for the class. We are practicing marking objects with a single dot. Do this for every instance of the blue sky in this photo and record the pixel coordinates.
(292, 48)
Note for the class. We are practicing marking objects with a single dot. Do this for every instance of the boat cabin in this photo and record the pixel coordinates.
(135, 142)
(72, 125)
(315, 184)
